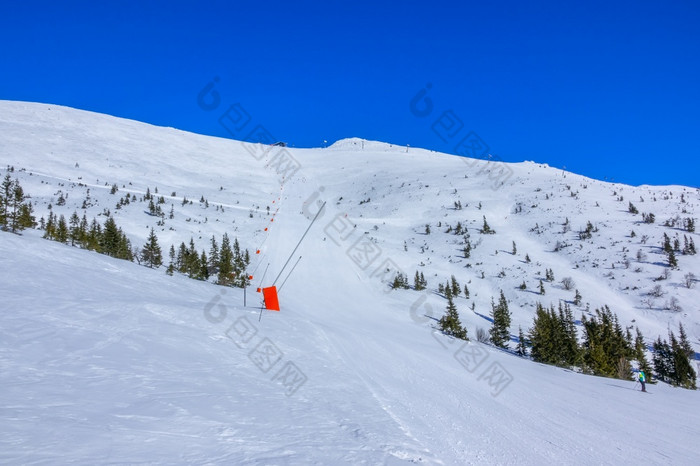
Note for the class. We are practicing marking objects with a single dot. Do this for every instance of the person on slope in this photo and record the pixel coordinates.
(642, 379)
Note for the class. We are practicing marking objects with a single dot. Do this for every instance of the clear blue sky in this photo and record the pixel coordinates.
(610, 90)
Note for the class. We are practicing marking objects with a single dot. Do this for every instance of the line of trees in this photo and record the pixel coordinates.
(607, 349)
(228, 262)
(15, 209)
(108, 239)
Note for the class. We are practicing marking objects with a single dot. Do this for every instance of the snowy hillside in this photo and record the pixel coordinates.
(107, 360)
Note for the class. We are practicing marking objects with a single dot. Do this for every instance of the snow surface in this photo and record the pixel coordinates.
(108, 361)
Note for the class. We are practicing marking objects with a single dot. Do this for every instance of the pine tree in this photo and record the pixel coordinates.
(398, 281)
(521, 349)
(418, 281)
(672, 261)
(640, 353)
(605, 344)
(662, 359)
(577, 298)
(61, 234)
(5, 195)
(225, 275)
(74, 231)
(515, 249)
(486, 229)
(213, 256)
(110, 238)
(500, 329)
(204, 266)
(684, 343)
(541, 287)
(466, 292)
(456, 289)
(467, 250)
(450, 323)
(151, 253)
(14, 204)
(171, 265)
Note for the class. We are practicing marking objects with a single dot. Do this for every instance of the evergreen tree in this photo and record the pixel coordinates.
(577, 298)
(662, 360)
(466, 292)
(61, 234)
(110, 238)
(683, 374)
(5, 199)
(450, 323)
(418, 281)
(684, 343)
(672, 261)
(74, 230)
(225, 275)
(521, 349)
(213, 256)
(93, 240)
(171, 265)
(640, 354)
(486, 229)
(515, 249)
(456, 289)
(500, 329)
(605, 344)
(398, 281)
(25, 218)
(14, 204)
(541, 287)
(151, 253)
(204, 267)
(467, 250)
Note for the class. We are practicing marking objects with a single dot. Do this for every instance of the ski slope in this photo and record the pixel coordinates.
(108, 361)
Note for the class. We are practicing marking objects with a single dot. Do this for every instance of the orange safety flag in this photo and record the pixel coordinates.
(270, 297)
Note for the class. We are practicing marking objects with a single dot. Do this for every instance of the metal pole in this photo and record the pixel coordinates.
(299, 243)
(289, 274)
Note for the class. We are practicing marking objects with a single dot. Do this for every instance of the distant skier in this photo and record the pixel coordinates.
(642, 380)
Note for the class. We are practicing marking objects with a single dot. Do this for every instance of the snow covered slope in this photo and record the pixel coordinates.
(105, 360)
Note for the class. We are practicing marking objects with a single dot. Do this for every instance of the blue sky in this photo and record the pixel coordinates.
(606, 89)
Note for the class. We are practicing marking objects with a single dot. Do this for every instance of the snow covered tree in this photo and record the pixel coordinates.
(450, 323)
(500, 329)
(151, 253)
